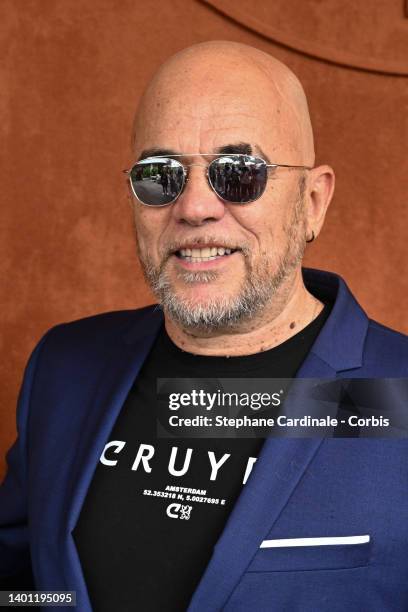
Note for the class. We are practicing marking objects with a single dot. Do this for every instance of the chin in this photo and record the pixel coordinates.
(208, 310)
(207, 285)
(202, 296)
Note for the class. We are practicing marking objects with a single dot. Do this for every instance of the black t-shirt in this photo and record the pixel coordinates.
(157, 506)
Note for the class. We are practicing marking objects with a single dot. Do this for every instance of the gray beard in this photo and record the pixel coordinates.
(258, 289)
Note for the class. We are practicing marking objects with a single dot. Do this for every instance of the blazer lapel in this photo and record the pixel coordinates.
(279, 468)
(283, 461)
(116, 378)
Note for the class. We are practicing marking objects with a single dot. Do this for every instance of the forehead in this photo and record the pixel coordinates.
(202, 115)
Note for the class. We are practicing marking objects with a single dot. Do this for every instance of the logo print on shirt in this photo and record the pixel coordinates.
(179, 511)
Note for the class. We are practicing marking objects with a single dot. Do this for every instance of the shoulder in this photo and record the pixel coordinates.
(385, 336)
(97, 332)
(386, 348)
(113, 320)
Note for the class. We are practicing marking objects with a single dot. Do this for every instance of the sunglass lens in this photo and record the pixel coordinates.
(157, 181)
(238, 178)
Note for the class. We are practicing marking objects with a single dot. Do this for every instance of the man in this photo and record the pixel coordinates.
(133, 521)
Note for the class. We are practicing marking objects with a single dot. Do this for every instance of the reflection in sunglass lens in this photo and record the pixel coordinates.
(238, 178)
(157, 181)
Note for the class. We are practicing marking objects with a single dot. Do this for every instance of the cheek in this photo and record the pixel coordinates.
(279, 204)
(262, 222)
(148, 230)
(150, 221)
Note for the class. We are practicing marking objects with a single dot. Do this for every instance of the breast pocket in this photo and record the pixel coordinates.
(302, 554)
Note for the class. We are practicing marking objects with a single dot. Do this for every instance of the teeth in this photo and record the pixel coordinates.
(205, 253)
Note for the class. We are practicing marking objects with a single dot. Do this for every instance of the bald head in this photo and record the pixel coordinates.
(225, 78)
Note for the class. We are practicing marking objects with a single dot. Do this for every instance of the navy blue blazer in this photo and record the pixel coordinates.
(75, 383)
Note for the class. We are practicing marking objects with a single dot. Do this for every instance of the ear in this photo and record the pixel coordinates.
(319, 193)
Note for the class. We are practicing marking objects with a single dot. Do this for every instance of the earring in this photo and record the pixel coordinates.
(312, 238)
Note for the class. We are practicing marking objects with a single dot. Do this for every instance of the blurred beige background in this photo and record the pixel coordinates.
(71, 74)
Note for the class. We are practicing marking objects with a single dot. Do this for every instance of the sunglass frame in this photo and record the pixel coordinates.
(186, 176)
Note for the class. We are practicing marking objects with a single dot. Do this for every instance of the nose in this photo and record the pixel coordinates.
(198, 204)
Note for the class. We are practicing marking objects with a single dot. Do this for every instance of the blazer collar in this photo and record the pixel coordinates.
(340, 343)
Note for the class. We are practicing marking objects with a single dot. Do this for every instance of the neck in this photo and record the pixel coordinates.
(290, 311)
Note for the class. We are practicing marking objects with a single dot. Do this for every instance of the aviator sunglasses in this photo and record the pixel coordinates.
(236, 178)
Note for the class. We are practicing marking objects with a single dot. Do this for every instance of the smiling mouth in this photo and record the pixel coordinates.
(197, 255)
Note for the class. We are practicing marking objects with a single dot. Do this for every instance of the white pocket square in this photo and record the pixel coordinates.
(326, 541)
